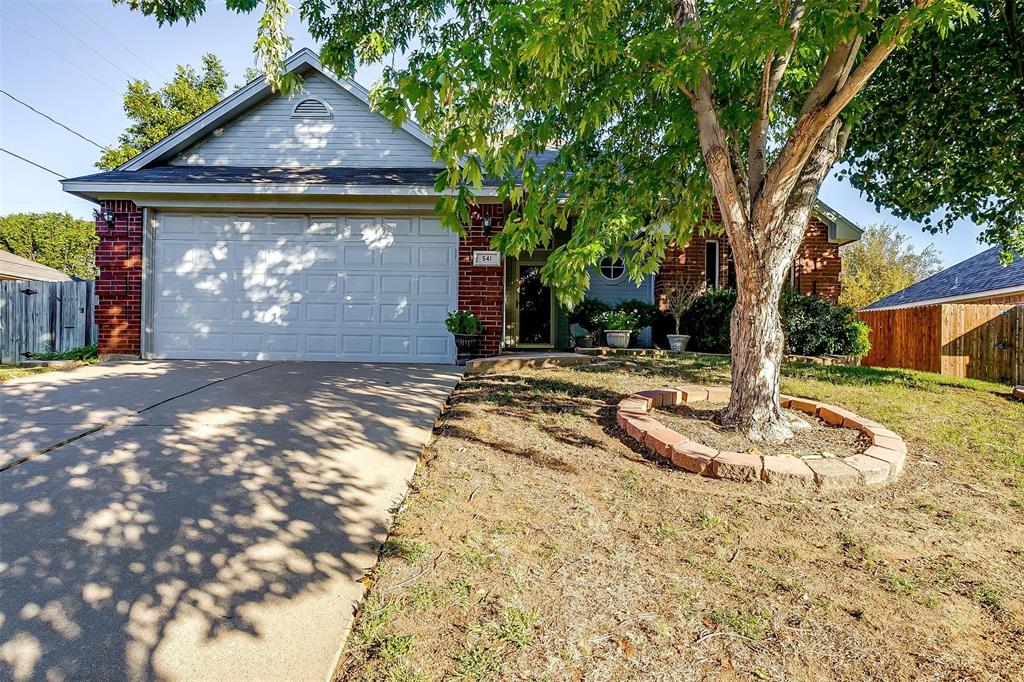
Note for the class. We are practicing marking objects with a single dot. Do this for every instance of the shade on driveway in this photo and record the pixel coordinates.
(214, 527)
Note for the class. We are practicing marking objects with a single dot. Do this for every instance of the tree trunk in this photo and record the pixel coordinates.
(757, 342)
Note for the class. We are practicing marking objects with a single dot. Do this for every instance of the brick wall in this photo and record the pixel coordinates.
(119, 284)
(816, 267)
(481, 289)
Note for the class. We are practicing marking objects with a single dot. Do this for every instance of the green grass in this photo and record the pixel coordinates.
(83, 353)
(13, 371)
(404, 548)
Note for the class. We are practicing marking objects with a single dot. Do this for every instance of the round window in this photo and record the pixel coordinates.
(612, 268)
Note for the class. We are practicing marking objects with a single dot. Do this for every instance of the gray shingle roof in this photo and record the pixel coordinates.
(976, 275)
(253, 175)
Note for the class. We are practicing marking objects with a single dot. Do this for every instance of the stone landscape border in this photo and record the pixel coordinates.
(879, 463)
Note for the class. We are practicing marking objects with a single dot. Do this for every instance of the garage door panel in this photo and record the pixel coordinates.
(357, 288)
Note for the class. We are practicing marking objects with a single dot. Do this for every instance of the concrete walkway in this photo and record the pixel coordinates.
(212, 523)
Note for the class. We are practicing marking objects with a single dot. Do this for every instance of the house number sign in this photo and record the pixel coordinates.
(486, 258)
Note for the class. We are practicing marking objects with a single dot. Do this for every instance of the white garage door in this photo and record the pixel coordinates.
(288, 287)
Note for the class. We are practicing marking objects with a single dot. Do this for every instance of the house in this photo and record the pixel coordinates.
(302, 227)
(16, 267)
(979, 279)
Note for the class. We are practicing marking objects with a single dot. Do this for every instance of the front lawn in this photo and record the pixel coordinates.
(538, 544)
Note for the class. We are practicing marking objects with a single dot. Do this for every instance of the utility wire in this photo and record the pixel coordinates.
(37, 165)
(53, 120)
(58, 53)
(87, 45)
(118, 41)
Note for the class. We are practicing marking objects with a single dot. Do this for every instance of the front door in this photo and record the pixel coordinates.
(535, 308)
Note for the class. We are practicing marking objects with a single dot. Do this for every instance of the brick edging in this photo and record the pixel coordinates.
(881, 462)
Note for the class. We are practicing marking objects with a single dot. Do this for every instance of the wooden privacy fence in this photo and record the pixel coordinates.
(40, 317)
(973, 340)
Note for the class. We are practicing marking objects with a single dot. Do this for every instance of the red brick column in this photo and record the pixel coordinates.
(119, 284)
(482, 288)
(817, 264)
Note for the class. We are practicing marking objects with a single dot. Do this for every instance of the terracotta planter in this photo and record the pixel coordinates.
(677, 342)
(618, 338)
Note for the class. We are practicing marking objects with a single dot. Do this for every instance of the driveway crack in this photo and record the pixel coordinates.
(122, 419)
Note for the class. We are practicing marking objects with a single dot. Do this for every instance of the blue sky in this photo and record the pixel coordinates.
(78, 76)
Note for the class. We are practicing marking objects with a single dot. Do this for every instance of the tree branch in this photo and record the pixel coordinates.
(718, 154)
(816, 116)
(774, 69)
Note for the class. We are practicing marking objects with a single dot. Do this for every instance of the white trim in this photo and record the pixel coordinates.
(264, 189)
(146, 299)
(718, 262)
(600, 269)
(1019, 289)
(240, 100)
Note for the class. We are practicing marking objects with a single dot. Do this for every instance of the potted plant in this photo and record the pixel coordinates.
(618, 326)
(584, 317)
(468, 333)
(678, 297)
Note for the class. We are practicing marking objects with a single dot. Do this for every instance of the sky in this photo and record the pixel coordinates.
(72, 59)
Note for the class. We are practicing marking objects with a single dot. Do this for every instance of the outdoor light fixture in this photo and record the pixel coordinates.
(106, 216)
(487, 222)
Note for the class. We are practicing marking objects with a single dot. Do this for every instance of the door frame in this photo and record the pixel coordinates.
(513, 322)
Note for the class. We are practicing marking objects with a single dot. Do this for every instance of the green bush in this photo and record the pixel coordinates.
(812, 325)
(587, 313)
(816, 326)
(463, 322)
(647, 314)
(618, 320)
(707, 321)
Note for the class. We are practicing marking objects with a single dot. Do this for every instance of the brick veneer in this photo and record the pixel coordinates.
(816, 267)
(482, 288)
(119, 284)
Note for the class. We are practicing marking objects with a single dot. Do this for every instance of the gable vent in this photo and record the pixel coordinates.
(312, 108)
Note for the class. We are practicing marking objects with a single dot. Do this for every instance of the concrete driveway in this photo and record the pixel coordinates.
(212, 523)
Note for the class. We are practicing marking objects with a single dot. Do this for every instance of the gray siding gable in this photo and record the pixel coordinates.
(268, 136)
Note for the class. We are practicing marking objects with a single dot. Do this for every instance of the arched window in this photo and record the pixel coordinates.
(311, 107)
(612, 268)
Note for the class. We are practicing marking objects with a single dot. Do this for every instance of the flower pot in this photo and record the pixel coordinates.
(468, 346)
(585, 341)
(618, 338)
(677, 342)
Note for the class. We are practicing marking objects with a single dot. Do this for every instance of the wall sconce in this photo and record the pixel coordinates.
(487, 222)
(106, 216)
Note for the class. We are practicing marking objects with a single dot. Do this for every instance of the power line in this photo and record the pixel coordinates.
(118, 41)
(58, 53)
(87, 45)
(53, 120)
(37, 165)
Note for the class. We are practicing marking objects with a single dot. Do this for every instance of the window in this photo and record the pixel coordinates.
(711, 268)
(612, 268)
(311, 107)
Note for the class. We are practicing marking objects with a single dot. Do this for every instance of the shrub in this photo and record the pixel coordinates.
(812, 325)
(587, 313)
(618, 320)
(815, 326)
(463, 322)
(646, 314)
(707, 321)
(82, 353)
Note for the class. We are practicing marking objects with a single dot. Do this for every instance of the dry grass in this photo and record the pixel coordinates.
(548, 548)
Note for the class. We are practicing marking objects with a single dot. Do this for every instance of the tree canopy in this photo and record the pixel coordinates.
(943, 128)
(608, 84)
(883, 262)
(155, 114)
(56, 240)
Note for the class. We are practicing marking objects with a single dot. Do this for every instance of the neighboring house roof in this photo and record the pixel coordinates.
(16, 267)
(979, 276)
